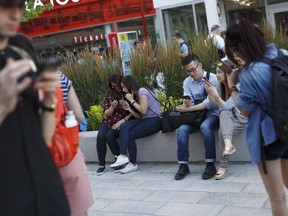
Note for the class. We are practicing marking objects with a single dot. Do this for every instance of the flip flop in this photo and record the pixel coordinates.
(221, 174)
(230, 151)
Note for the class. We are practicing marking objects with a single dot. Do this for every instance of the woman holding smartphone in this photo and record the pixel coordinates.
(114, 116)
(231, 121)
(145, 102)
(246, 41)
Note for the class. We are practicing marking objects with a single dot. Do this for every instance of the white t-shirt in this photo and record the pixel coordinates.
(218, 42)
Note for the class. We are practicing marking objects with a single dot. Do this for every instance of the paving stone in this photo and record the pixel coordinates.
(238, 211)
(152, 190)
(130, 206)
(176, 196)
(257, 188)
(184, 209)
(126, 194)
(213, 185)
(165, 185)
(234, 199)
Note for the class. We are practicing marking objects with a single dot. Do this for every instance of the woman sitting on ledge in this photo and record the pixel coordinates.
(150, 122)
(231, 121)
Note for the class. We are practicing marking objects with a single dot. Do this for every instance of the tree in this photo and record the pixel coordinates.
(31, 12)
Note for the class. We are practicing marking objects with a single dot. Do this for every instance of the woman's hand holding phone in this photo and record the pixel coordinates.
(113, 102)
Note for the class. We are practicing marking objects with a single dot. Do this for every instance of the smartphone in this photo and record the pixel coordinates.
(186, 97)
(227, 66)
(205, 78)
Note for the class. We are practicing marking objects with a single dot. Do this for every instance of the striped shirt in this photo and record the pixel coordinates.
(65, 85)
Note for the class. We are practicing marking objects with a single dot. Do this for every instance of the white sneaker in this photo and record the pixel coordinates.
(121, 160)
(129, 168)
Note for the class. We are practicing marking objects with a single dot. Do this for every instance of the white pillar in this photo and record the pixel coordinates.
(107, 29)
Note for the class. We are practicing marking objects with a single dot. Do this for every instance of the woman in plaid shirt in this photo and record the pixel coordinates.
(114, 115)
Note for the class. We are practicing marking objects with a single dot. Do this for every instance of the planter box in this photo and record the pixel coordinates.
(163, 148)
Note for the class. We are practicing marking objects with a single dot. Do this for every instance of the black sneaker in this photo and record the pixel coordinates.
(209, 172)
(100, 170)
(182, 172)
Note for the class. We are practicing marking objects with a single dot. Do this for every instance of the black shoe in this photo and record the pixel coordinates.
(209, 172)
(100, 170)
(182, 172)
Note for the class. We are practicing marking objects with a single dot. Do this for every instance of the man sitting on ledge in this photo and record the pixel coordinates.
(193, 87)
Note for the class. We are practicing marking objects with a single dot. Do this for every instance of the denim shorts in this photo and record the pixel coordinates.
(276, 150)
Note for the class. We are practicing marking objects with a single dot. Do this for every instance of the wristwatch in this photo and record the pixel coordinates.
(49, 108)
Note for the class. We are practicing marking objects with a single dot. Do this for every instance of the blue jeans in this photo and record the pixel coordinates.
(106, 134)
(207, 128)
(135, 129)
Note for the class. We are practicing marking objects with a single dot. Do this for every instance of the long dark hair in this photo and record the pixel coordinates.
(130, 84)
(248, 39)
(115, 78)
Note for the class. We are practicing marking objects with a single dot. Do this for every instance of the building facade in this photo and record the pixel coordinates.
(201, 15)
(75, 24)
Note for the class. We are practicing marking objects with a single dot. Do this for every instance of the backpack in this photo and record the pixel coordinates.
(64, 144)
(184, 42)
(280, 93)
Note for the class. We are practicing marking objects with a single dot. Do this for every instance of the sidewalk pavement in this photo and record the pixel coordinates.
(152, 190)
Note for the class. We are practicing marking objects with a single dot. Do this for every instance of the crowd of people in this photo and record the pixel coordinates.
(234, 102)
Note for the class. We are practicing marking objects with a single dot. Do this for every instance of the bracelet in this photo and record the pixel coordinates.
(232, 88)
(133, 102)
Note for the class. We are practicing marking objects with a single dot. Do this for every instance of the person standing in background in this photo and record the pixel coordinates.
(218, 41)
(184, 47)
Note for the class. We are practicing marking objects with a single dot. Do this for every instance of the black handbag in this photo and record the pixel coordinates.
(172, 119)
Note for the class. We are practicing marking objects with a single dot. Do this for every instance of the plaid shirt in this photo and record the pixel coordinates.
(118, 114)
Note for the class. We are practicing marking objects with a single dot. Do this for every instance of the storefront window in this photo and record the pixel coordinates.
(178, 19)
(253, 10)
(201, 17)
(136, 24)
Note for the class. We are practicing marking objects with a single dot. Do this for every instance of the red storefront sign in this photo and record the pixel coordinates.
(72, 14)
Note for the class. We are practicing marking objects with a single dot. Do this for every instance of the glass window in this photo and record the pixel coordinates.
(253, 10)
(201, 17)
(178, 19)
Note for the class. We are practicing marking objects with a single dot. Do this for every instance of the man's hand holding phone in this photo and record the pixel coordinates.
(187, 101)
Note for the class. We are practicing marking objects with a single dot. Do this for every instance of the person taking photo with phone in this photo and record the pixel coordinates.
(30, 183)
(193, 87)
(245, 42)
(231, 120)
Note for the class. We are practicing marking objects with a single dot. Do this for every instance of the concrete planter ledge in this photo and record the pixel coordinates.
(163, 147)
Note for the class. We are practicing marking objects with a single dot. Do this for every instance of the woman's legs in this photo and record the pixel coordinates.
(101, 143)
(111, 139)
(284, 169)
(274, 185)
(227, 127)
(147, 127)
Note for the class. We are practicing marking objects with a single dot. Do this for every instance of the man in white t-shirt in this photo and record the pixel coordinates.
(218, 40)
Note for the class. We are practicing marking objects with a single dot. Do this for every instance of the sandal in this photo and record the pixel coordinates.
(230, 151)
(221, 174)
